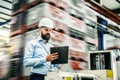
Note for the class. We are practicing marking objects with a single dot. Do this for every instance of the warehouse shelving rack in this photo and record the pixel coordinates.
(92, 4)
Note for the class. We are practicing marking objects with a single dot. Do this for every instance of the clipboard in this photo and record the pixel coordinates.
(62, 54)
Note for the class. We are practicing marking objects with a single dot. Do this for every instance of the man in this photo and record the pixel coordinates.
(37, 52)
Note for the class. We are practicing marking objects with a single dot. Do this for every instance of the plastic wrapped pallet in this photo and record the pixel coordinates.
(78, 60)
(90, 40)
(17, 4)
(17, 42)
(59, 3)
(59, 35)
(45, 10)
(31, 35)
(112, 42)
(77, 44)
(17, 21)
(91, 31)
(78, 24)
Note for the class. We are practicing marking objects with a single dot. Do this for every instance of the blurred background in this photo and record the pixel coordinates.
(83, 25)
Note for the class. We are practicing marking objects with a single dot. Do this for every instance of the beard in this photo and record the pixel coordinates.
(45, 36)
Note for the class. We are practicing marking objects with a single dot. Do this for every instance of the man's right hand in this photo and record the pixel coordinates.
(52, 57)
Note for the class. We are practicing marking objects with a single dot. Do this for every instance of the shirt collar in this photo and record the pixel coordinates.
(40, 39)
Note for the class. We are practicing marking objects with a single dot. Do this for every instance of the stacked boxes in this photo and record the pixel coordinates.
(112, 42)
(77, 24)
(17, 42)
(45, 10)
(59, 35)
(17, 21)
(71, 27)
(31, 35)
(15, 68)
(17, 4)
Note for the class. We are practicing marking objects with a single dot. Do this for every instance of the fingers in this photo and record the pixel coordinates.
(55, 57)
(54, 54)
(52, 57)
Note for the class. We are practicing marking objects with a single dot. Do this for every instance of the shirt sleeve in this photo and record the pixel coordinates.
(29, 59)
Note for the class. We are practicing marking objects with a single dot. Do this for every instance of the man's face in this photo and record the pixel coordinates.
(45, 33)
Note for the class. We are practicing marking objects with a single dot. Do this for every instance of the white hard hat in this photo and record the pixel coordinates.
(47, 22)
